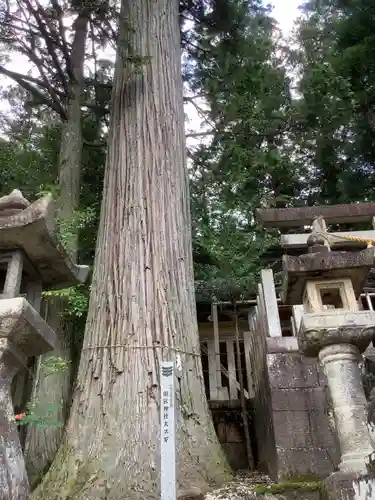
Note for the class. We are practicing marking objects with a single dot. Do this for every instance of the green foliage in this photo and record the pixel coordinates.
(248, 161)
(336, 56)
(270, 146)
(22, 168)
(42, 415)
(77, 299)
(53, 364)
(70, 227)
(47, 188)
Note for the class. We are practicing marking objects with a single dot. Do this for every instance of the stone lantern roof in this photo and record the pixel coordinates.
(32, 228)
(319, 265)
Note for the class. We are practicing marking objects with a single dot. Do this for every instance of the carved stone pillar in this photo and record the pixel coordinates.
(340, 362)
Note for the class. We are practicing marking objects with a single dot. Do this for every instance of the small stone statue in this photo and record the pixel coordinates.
(316, 243)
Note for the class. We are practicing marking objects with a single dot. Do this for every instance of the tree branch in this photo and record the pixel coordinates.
(94, 144)
(201, 134)
(15, 76)
(95, 83)
(202, 114)
(46, 36)
(196, 47)
(64, 43)
(197, 96)
(31, 52)
(21, 80)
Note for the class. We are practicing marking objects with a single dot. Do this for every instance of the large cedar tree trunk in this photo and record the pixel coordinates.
(54, 391)
(142, 307)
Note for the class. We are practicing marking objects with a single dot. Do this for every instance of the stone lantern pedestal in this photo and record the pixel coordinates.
(340, 360)
(338, 339)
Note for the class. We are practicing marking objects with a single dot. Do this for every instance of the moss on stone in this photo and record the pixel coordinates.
(304, 486)
(309, 477)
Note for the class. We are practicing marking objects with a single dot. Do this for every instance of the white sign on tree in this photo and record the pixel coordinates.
(167, 432)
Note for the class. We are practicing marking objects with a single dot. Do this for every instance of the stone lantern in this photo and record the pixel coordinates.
(31, 259)
(331, 326)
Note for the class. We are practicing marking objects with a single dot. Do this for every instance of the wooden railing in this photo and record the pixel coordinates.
(218, 391)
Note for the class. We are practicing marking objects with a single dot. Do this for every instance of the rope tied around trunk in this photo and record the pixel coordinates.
(127, 346)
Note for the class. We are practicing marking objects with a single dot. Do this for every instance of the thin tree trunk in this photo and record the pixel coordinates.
(54, 391)
(142, 307)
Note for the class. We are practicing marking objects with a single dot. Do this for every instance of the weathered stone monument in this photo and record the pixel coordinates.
(330, 326)
(313, 374)
(31, 259)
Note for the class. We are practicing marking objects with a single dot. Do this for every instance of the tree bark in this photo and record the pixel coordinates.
(54, 391)
(142, 307)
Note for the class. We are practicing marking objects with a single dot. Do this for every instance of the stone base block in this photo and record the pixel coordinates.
(297, 462)
(305, 437)
(349, 486)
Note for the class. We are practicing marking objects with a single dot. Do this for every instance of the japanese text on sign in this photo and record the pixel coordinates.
(167, 434)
